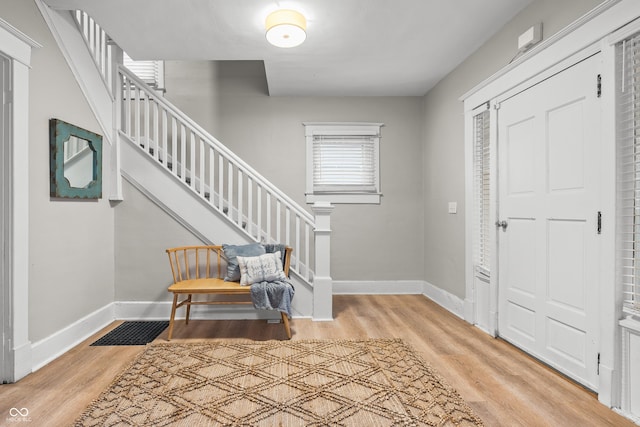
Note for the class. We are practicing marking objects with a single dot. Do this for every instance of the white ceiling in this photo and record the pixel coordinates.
(353, 47)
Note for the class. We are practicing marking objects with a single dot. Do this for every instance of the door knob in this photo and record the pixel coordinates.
(502, 224)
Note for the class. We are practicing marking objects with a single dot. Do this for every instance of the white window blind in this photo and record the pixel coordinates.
(628, 171)
(481, 158)
(151, 72)
(344, 163)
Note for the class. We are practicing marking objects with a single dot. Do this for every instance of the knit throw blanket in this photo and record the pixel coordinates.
(273, 296)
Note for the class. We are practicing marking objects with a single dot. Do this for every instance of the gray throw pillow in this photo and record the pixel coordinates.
(232, 251)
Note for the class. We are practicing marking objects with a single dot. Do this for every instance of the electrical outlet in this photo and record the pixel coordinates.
(453, 207)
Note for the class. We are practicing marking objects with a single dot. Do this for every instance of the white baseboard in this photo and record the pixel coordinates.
(445, 299)
(48, 349)
(144, 310)
(378, 287)
(153, 310)
(22, 358)
(401, 287)
(606, 386)
(469, 308)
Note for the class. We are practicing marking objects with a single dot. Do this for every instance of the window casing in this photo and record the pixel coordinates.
(628, 172)
(343, 162)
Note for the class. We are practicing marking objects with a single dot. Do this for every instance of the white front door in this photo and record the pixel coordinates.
(548, 151)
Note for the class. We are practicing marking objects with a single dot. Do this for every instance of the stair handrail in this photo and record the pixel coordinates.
(206, 136)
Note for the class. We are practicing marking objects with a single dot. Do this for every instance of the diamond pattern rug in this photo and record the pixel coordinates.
(377, 382)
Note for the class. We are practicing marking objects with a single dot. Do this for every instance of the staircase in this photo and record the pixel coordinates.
(188, 172)
(213, 174)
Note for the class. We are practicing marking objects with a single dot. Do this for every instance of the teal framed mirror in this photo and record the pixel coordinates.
(75, 161)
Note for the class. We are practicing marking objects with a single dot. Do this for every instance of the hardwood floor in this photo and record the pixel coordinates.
(503, 385)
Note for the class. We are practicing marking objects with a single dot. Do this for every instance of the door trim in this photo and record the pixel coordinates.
(17, 46)
(5, 219)
(570, 45)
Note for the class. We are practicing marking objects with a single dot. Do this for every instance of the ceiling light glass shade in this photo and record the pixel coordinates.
(286, 28)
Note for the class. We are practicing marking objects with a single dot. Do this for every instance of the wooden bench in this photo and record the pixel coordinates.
(198, 270)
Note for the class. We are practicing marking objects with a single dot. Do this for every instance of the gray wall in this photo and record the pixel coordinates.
(444, 137)
(71, 243)
(230, 100)
(422, 151)
(143, 232)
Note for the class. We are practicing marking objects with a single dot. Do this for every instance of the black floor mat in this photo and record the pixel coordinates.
(133, 333)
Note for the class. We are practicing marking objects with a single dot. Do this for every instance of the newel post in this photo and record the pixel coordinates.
(322, 282)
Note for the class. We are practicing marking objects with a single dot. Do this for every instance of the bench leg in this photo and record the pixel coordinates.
(285, 322)
(188, 309)
(173, 316)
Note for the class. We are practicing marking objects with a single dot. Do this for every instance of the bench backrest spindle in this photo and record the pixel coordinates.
(183, 266)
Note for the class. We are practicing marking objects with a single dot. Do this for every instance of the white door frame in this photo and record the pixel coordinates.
(17, 46)
(579, 40)
(5, 225)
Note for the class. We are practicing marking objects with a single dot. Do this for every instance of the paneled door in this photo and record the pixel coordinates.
(548, 154)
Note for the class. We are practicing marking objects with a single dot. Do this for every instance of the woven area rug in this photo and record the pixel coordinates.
(377, 382)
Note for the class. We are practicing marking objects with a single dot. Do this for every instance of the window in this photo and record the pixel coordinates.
(628, 171)
(150, 72)
(343, 162)
(481, 178)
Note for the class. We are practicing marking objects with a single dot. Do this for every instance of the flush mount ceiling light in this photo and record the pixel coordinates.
(286, 28)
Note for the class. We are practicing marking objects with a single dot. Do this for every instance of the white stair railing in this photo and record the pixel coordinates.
(201, 162)
(213, 172)
(99, 44)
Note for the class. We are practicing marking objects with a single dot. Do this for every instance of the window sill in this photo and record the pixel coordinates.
(343, 198)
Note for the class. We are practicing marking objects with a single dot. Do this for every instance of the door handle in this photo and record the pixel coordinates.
(503, 224)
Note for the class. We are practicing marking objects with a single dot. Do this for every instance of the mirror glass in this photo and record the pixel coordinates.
(78, 162)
